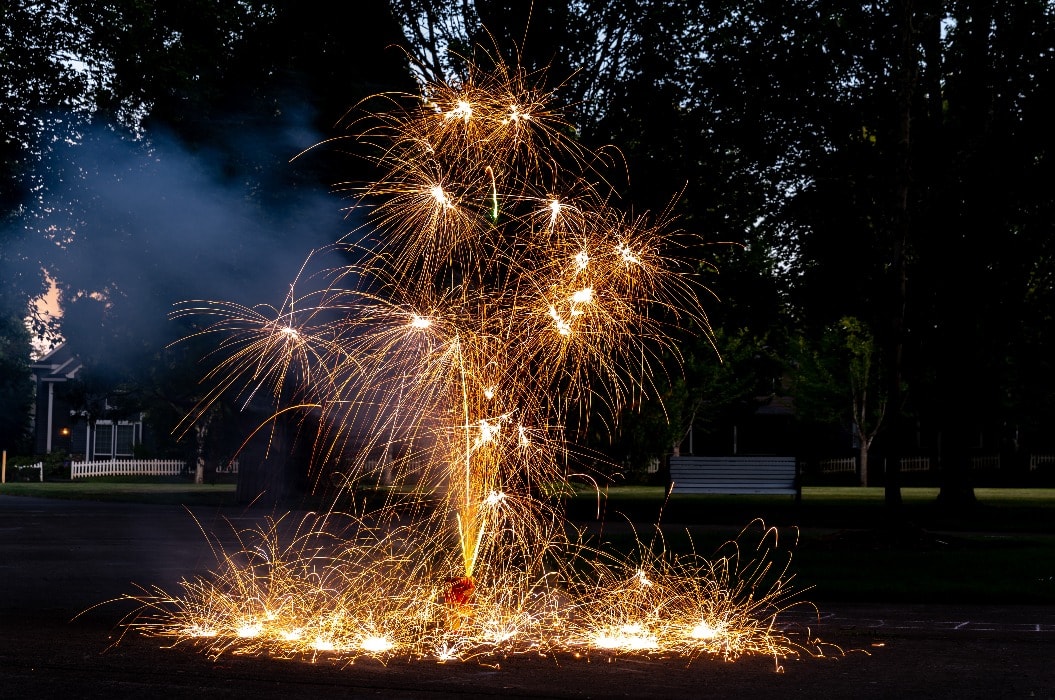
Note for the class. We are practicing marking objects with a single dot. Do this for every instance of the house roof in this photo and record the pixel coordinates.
(59, 365)
(774, 405)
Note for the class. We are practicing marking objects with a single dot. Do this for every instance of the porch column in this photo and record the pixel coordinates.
(51, 411)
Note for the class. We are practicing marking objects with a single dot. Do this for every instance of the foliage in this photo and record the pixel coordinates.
(39, 85)
(719, 387)
(16, 385)
(726, 384)
(837, 379)
(22, 473)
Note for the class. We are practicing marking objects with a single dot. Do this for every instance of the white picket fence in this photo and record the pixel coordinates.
(227, 467)
(127, 467)
(838, 465)
(1041, 460)
(915, 464)
(39, 466)
(985, 463)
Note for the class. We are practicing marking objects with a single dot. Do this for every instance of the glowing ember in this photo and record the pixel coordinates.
(376, 645)
(199, 631)
(534, 302)
(628, 638)
(705, 630)
(321, 644)
(250, 629)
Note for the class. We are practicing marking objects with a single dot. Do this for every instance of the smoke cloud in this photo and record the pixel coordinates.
(134, 227)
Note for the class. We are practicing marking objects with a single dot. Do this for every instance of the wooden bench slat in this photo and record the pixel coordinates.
(738, 492)
(733, 472)
(734, 475)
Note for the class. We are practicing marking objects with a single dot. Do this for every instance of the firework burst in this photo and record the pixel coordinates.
(497, 297)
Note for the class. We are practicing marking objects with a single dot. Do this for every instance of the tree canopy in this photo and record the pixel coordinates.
(881, 161)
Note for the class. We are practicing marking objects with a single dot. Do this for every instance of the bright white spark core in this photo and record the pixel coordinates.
(488, 432)
(563, 327)
(250, 630)
(705, 630)
(628, 255)
(630, 637)
(440, 196)
(376, 645)
(515, 115)
(420, 322)
(583, 296)
(462, 110)
(554, 207)
(321, 644)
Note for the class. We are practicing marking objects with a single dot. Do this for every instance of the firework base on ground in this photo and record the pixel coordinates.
(382, 593)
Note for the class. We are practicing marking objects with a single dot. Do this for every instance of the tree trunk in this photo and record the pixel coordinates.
(964, 288)
(864, 463)
(954, 461)
(201, 432)
(907, 76)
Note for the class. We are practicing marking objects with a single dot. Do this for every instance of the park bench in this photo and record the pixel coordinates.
(735, 475)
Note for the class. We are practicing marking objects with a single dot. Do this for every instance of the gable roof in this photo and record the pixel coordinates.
(58, 365)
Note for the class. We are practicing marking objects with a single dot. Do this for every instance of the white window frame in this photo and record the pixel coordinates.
(110, 450)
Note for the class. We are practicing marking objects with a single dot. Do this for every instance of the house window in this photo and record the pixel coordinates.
(115, 440)
(104, 439)
(124, 439)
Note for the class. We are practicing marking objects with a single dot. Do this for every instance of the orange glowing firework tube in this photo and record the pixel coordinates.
(459, 591)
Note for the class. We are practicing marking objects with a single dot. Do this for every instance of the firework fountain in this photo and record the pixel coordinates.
(497, 298)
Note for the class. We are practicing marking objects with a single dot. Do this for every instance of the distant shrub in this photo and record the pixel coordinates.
(56, 465)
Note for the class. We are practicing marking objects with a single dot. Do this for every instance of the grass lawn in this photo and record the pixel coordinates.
(127, 489)
(997, 510)
(844, 544)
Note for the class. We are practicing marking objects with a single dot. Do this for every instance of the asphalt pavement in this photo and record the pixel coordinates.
(62, 561)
